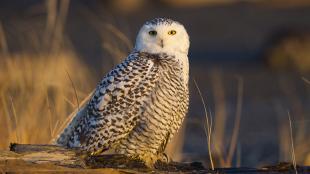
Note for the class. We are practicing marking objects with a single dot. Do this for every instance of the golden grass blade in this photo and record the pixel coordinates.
(290, 91)
(234, 137)
(3, 41)
(220, 111)
(284, 140)
(50, 120)
(76, 96)
(306, 80)
(58, 38)
(15, 119)
(8, 119)
(55, 128)
(63, 12)
(208, 129)
(292, 143)
(70, 102)
(51, 10)
(238, 163)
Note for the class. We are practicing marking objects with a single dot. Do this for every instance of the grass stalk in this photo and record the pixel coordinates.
(292, 143)
(238, 163)
(208, 128)
(219, 132)
(306, 80)
(50, 120)
(8, 119)
(3, 41)
(75, 93)
(234, 137)
(15, 120)
(69, 102)
(55, 128)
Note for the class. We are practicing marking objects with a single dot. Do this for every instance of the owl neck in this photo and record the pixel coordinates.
(182, 58)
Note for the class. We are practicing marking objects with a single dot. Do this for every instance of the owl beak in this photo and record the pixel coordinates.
(161, 43)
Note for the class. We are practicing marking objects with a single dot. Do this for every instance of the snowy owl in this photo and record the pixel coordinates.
(141, 103)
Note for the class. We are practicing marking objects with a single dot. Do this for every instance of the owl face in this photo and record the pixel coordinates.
(162, 35)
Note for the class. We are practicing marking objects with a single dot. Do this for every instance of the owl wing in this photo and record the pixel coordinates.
(117, 102)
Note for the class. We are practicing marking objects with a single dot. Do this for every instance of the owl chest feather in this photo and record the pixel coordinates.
(162, 113)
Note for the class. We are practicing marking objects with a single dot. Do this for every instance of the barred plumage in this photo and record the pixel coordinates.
(140, 104)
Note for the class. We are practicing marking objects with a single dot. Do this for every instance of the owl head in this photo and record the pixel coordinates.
(162, 35)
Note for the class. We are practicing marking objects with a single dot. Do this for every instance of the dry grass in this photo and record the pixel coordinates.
(292, 143)
(234, 136)
(225, 151)
(300, 138)
(36, 95)
(306, 80)
(208, 126)
(40, 89)
(220, 116)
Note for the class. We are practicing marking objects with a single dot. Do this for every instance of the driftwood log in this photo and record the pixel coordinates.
(50, 158)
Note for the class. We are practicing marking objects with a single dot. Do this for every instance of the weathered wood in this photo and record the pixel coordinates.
(120, 161)
(51, 158)
(51, 154)
(48, 158)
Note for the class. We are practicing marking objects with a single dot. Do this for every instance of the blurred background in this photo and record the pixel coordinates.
(250, 59)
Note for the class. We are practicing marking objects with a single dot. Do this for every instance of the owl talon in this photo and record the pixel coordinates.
(164, 158)
(96, 153)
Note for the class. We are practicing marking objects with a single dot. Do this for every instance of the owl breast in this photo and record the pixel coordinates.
(162, 112)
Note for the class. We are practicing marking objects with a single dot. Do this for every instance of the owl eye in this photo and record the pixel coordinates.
(153, 33)
(172, 32)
